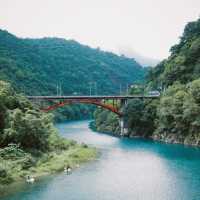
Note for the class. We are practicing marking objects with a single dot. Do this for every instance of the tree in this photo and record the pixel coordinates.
(21, 123)
(141, 116)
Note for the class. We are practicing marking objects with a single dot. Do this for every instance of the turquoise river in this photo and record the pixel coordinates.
(127, 169)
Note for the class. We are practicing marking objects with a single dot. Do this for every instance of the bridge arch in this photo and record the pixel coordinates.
(113, 108)
(95, 100)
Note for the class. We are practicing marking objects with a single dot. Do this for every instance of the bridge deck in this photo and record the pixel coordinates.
(93, 97)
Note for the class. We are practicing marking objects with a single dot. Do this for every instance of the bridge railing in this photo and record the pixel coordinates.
(94, 97)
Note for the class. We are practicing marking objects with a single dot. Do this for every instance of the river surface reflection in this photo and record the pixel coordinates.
(128, 169)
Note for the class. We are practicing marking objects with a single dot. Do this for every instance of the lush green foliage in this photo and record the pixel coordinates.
(21, 123)
(37, 66)
(16, 164)
(179, 111)
(29, 143)
(183, 65)
(74, 112)
(106, 121)
(175, 116)
(141, 115)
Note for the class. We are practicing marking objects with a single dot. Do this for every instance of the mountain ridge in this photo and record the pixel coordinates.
(68, 55)
(41, 66)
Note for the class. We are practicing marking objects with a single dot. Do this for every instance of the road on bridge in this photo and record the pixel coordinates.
(100, 97)
(60, 101)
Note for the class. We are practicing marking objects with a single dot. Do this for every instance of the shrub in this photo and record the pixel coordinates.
(12, 151)
(28, 162)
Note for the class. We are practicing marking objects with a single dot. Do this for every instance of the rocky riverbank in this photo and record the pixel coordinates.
(193, 140)
(190, 139)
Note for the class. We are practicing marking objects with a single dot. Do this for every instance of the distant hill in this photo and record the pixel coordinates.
(38, 65)
(174, 116)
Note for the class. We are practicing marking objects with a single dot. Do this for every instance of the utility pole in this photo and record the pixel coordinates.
(90, 85)
(127, 89)
(95, 86)
(60, 89)
(57, 89)
(120, 89)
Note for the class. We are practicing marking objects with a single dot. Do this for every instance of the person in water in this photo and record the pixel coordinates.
(67, 169)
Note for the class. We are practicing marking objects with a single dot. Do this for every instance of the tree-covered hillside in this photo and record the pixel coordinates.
(29, 143)
(37, 66)
(50, 66)
(184, 63)
(175, 116)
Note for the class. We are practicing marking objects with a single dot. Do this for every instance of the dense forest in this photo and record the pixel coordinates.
(29, 143)
(51, 66)
(174, 117)
(184, 63)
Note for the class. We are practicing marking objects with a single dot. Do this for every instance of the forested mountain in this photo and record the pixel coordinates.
(174, 117)
(36, 66)
(184, 63)
(51, 65)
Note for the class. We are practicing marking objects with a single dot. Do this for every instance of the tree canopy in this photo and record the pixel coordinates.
(183, 65)
(175, 116)
(21, 123)
(49, 66)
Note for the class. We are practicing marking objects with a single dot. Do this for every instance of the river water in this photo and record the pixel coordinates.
(128, 169)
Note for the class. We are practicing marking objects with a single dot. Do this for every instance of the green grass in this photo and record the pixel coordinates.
(58, 160)
(16, 169)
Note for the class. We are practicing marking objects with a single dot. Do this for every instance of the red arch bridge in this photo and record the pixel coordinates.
(112, 103)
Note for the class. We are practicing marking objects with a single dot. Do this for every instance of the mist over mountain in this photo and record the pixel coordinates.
(38, 65)
(142, 60)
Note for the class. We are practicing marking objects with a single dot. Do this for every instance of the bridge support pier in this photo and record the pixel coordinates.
(123, 126)
(122, 120)
(123, 102)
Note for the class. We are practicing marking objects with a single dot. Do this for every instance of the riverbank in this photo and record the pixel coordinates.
(124, 170)
(15, 169)
(30, 145)
(189, 140)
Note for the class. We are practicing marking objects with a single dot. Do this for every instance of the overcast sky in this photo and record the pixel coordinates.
(150, 27)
